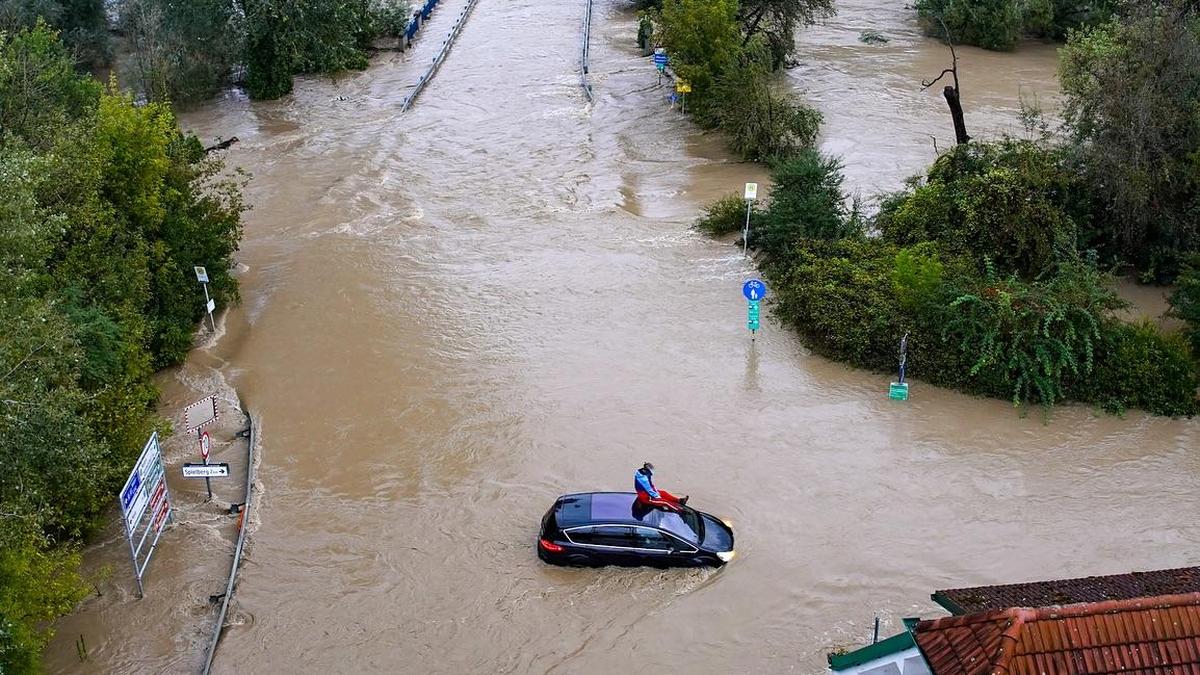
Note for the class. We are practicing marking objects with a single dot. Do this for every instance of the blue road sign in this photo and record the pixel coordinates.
(754, 290)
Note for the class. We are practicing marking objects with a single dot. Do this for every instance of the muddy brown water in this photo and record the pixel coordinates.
(452, 316)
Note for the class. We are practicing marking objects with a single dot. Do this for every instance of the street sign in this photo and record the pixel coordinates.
(682, 87)
(201, 274)
(754, 290)
(205, 444)
(206, 470)
(751, 191)
(660, 59)
(752, 315)
(145, 492)
(200, 414)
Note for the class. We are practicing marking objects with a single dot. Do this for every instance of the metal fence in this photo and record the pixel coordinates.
(585, 52)
(243, 518)
(441, 56)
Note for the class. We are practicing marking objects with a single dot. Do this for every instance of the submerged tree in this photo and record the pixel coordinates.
(952, 93)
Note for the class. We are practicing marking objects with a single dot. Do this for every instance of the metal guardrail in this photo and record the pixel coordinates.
(585, 51)
(219, 626)
(441, 56)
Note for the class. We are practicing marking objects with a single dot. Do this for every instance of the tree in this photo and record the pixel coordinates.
(952, 93)
(777, 22)
(1132, 89)
(991, 24)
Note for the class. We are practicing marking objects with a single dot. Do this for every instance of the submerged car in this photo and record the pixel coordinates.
(612, 528)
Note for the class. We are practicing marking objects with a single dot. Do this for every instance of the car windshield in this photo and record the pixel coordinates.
(686, 525)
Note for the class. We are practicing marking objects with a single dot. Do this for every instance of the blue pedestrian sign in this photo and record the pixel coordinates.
(754, 290)
(660, 60)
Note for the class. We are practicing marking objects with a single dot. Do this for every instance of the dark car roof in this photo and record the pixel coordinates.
(588, 508)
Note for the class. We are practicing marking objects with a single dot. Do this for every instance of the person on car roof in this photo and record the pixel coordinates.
(643, 482)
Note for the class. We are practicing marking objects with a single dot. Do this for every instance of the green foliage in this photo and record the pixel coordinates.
(991, 24)
(1185, 301)
(726, 216)
(1031, 337)
(1009, 201)
(998, 24)
(917, 276)
(285, 37)
(1132, 90)
(762, 124)
(729, 65)
(806, 203)
(181, 51)
(775, 23)
(107, 207)
(38, 583)
(82, 24)
(1138, 366)
(39, 92)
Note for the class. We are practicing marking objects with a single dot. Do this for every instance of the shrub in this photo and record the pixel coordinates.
(726, 216)
(806, 203)
(1137, 366)
(1185, 302)
(1009, 201)
(991, 24)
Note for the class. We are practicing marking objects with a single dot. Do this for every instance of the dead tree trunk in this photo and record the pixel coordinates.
(956, 113)
(952, 94)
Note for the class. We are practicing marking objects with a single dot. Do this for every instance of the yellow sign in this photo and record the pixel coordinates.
(682, 87)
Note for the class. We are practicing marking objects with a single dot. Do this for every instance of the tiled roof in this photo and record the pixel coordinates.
(1140, 636)
(1070, 591)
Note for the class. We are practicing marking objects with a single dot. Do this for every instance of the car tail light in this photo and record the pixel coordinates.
(550, 546)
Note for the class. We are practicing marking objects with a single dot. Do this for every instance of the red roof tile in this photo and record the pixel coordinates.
(1070, 591)
(1138, 636)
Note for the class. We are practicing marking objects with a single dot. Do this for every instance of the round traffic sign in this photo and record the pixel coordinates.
(754, 290)
(205, 444)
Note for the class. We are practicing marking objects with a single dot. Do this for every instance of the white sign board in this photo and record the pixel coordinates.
(200, 413)
(145, 506)
(205, 470)
(201, 274)
(751, 190)
(212, 306)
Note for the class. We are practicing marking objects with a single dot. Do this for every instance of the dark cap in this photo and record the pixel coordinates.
(648, 465)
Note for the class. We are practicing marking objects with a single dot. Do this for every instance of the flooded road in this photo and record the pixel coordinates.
(454, 315)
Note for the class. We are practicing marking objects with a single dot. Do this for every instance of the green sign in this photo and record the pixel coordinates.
(752, 315)
(898, 391)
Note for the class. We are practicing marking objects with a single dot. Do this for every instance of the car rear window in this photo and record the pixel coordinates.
(574, 510)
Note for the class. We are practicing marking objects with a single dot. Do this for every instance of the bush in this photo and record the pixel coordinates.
(1185, 302)
(1009, 201)
(991, 24)
(806, 203)
(726, 216)
(1137, 366)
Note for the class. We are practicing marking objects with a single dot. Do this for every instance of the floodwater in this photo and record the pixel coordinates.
(453, 315)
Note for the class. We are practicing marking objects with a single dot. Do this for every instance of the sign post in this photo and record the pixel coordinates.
(209, 303)
(898, 391)
(660, 62)
(751, 194)
(683, 88)
(145, 507)
(754, 290)
(197, 416)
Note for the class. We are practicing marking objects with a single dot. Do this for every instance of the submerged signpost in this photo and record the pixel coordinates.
(209, 303)
(197, 416)
(145, 507)
(899, 389)
(754, 290)
(751, 194)
(660, 62)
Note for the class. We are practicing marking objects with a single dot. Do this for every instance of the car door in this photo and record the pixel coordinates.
(608, 544)
(654, 546)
